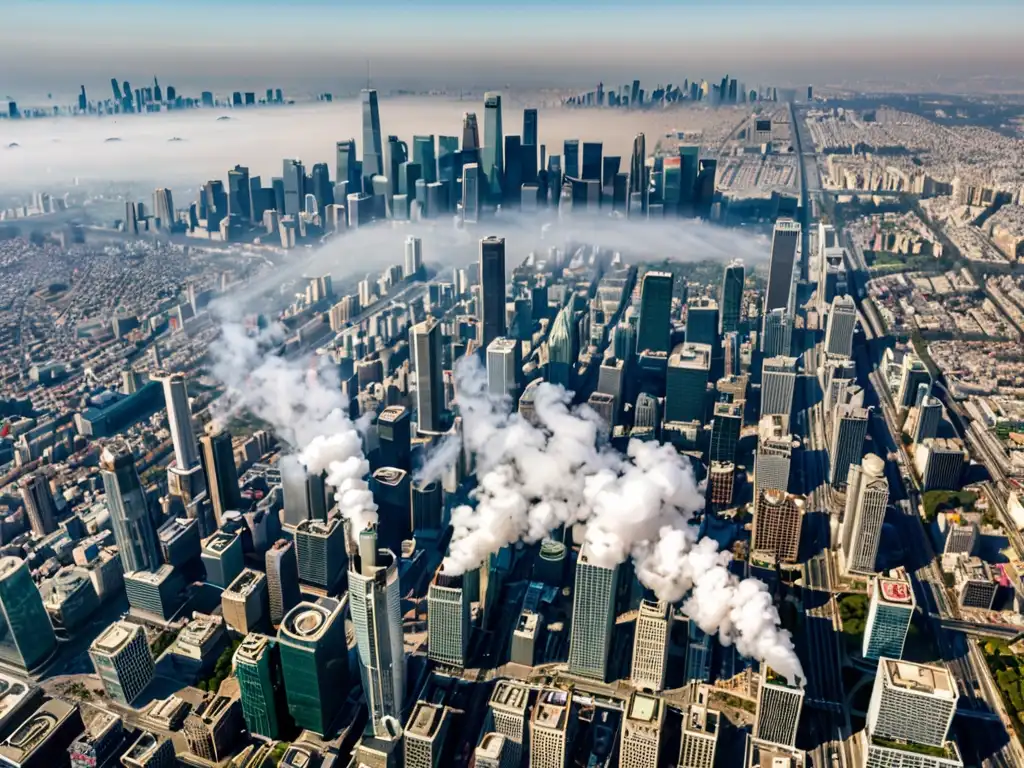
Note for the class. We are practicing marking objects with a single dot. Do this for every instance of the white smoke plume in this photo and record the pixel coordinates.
(302, 402)
(535, 477)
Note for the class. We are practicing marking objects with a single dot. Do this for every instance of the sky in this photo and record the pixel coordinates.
(325, 44)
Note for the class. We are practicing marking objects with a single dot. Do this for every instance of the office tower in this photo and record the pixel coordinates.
(257, 667)
(778, 380)
(447, 620)
(698, 653)
(424, 735)
(282, 580)
(727, 421)
(889, 615)
(427, 507)
(320, 552)
(375, 607)
(471, 193)
(238, 193)
(940, 463)
(493, 751)
(552, 728)
(131, 218)
(912, 703)
(39, 504)
(842, 320)
(779, 704)
(689, 155)
(150, 751)
(426, 350)
(346, 166)
(116, 88)
(507, 716)
(562, 349)
(244, 601)
(686, 383)
(373, 152)
(839, 375)
(305, 496)
(504, 368)
(512, 181)
(134, 530)
(778, 518)
(320, 187)
(722, 480)
(413, 256)
(26, 635)
(179, 420)
(492, 290)
(777, 333)
(704, 187)
(646, 412)
(640, 745)
(732, 296)
(314, 658)
(850, 426)
(222, 558)
(773, 456)
(650, 646)
(929, 417)
(591, 168)
(636, 164)
(390, 487)
(653, 327)
(218, 461)
(423, 156)
(293, 175)
(448, 161)
(593, 618)
(867, 494)
(913, 373)
(492, 159)
(702, 322)
(394, 435)
(470, 135)
(785, 240)
(163, 207)
(122, 660)
(699, 739)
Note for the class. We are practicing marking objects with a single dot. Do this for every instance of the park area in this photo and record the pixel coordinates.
(1007, 668)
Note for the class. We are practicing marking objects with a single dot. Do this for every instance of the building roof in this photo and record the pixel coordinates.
(115, 637)
(425, 720)
(895, 591)
(246, 583)
(509, 695)
(920, 678)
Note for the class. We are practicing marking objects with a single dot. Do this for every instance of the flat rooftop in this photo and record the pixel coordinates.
(246, 582)
(425, 720)
(510, 696)
(920, 678)
(219, 542)
(115, 637)
(895, 591)
(552, 710)
(701, 720)
(646, 709)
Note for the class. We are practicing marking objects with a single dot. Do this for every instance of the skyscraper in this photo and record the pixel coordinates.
(593, 618)
(471, 193)
(842, 320)
(785, 240)
(218, 461)
(552, 728)
(867, 494)
(563, 349)
(347, 166)
(425, 734)
(653, 327)
(492, 155)
(179, 420)
(492, 289)
(778, 380)
(912, 702)
(889, 615)
(373, 152)
(777, 333)
(732, 296)
(504, 368)
(929, 417)
(26, 635)
(650, 646)
(702, 322)
(305, 497)
(238, 193)
(282, 579)
(293, 175)
(413, 256)
(447, 620)
(637, 169)
(698, 653)
(850, 426)
(134, 529)
(779, 703)
(122, 660)
(778, 518)
(39, 504)
(423, 156)
(507, 716)
(640, 745)
(426, 350)
(913, 372)
(700, 737)
(727, 422)
(773, 456)
(257, 667)
(320, 552)
(686, 383)
(591, 169)
(375, 606)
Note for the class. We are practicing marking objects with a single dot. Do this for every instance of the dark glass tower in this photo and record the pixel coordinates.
(346, 166)
(732, 296)
(294, 176)
(423, 156)
(134, 530)
(592, 151)
(653, 331)
(238, 192)
(492, 289)
(492, 156)
(571, 158)
(426, 350)
(218, 460)
(373, 153)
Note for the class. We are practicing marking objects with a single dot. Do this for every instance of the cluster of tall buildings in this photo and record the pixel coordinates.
(632, 95)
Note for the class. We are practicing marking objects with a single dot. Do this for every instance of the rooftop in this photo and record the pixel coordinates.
(552, 710)
(307, 621)
(920, 678)
(115, 637)
(252, 648)
(219, 542)
(701, 720)
(392, 413)
(246, 583)
(425, 720)
(896, 591)
(644, 708)
(389, 475)
(509, 695)
(491, 746)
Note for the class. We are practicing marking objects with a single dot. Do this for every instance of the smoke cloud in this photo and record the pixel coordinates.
(536, 477)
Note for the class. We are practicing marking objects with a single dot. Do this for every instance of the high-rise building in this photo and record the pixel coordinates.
(702, 322)
(163, 208)
(571, 158)
(773, 456)
(726, 424)
(179, 418)
(346, 167)
(314, 658)
(913, 373)
(593, 617)
(492, 290)
(320, 552)
(929, 417)
(244, 602)
(282, 567)
(778, 518)
(766, 754)
(218, 459)
(39, 504)
(889, 615)
(26, 635)
(842, 321)
(785, 240)
(563, 342)
(413, 256)
(504, 368)
(650, 646)
(778, 379)
(507, 716)
(698, 653)
(777, 333)
(686, 383)
(850, 427)
(150, 751)
(644, 719)
(779, 703)
(940, 463)
(471, 192)
(239, 204)
(447, 620)
(222, 557)
(699, 740)
(423, 156)
(425, 733)
(552, 728)
(293, 176)
(257, 667)
(134, 529)
(305, 497)
(637, 167)
(867, 494)
(373, 152)
(722, 479)
(426, 349)
(375, 607)
(912, 703)
(123, 661)
(653, 327)
(493, 751)
(732, 296)
(395, 436)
